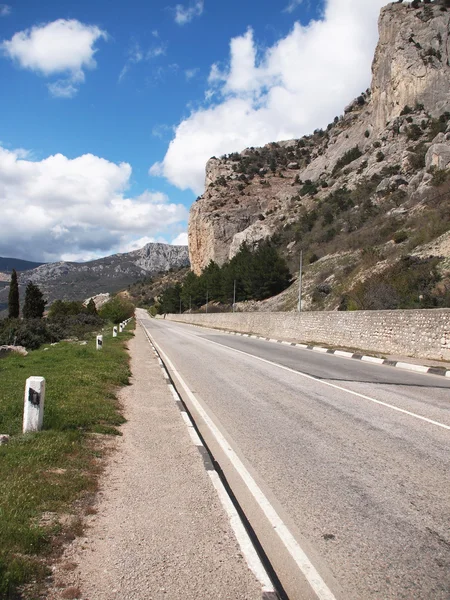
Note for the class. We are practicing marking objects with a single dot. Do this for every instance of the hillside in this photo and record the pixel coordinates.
(76, 281)
(8, 264)
(367, 199)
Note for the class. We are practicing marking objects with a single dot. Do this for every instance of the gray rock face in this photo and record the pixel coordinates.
(77, 281)
(438, 156)
(252, 195)
(411, 61)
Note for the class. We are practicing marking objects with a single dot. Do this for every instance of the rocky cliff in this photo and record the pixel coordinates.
(376, 168)
(77, 281)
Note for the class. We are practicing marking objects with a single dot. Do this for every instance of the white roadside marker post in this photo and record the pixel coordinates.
(99, 344)
(115, 331)
(120, 327)
(33, 410)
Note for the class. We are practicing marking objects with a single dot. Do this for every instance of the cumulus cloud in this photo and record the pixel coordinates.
(185, 14)
(62, 47)
(60, 207)
(5, 10)
(181, 239)
(287, 90)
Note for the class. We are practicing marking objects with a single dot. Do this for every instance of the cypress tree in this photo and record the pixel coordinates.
(13, 298)
(34, 305)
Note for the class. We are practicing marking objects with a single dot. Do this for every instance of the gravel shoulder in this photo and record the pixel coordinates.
(160, 530)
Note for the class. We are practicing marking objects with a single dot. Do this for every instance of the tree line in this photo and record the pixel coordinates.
(255, 273)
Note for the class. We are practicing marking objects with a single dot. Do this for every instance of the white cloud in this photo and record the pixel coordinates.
(181, 239)
(5, 10)
(186, 14)
(137, 55)
(293, 4)
(76, 207)
(63, 47)
(287, 90)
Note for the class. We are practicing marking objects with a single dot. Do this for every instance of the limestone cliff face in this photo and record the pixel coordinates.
(254, 194)
(411, 61)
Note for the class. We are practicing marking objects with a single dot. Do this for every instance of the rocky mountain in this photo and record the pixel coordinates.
(76, 281)
(370, 190)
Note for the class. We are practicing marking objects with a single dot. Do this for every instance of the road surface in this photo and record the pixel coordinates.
(342, 467)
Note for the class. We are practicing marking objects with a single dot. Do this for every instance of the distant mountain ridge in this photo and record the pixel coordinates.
(8, 264)
(77, 281)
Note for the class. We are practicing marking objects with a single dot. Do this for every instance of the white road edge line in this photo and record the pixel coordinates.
(245, 543)
(336, 387)
(295, 550)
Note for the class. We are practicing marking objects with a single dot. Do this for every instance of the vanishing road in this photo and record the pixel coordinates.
(342, 467)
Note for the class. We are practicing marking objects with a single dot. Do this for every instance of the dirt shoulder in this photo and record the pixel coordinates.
(159, 530)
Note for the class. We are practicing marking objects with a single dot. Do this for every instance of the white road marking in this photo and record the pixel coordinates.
(245, 543)
(320, 349)
(343, 353)
(411, 367)
(336, 387)
(372, 359)
(194, 436)
(295, 550)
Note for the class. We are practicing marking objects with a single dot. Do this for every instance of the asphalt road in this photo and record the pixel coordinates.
(354, 458)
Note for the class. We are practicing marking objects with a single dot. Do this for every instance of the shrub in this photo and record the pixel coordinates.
(380, 156)
(440, 176)
(413, 132)
(117, 309)
(400, 236)
(347, 158)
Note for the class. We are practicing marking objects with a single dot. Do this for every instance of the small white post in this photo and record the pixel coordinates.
(115, 331)
(33, 410)
(120, 327)
(99, 344)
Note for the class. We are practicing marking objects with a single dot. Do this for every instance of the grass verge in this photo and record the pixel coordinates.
(44, 473)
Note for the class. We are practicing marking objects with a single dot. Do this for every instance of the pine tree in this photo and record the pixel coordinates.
(34, 304)
(13, 298)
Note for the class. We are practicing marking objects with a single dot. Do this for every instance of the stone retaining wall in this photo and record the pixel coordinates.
(417, 333)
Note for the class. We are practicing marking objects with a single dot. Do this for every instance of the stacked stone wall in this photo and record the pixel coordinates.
(416, 333)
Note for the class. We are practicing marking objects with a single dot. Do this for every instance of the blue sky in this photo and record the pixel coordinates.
(110, 110)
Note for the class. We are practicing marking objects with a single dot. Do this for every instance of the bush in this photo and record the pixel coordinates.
(380, 156)
(117, 310)
(347, 158)
(400, 236)
(413, 132)
(30, 333)
(440, 176)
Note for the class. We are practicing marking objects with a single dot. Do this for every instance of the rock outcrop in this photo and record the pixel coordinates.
(392, 134)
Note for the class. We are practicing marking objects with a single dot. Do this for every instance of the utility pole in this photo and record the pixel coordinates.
(180, 306)
(190, 303)
(300, 283)
(206, 301)
(234, 295)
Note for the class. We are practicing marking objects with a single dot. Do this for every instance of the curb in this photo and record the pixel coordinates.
(342, 353)
(362, 357)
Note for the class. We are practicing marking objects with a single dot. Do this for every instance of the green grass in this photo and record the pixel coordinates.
(49, 470)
